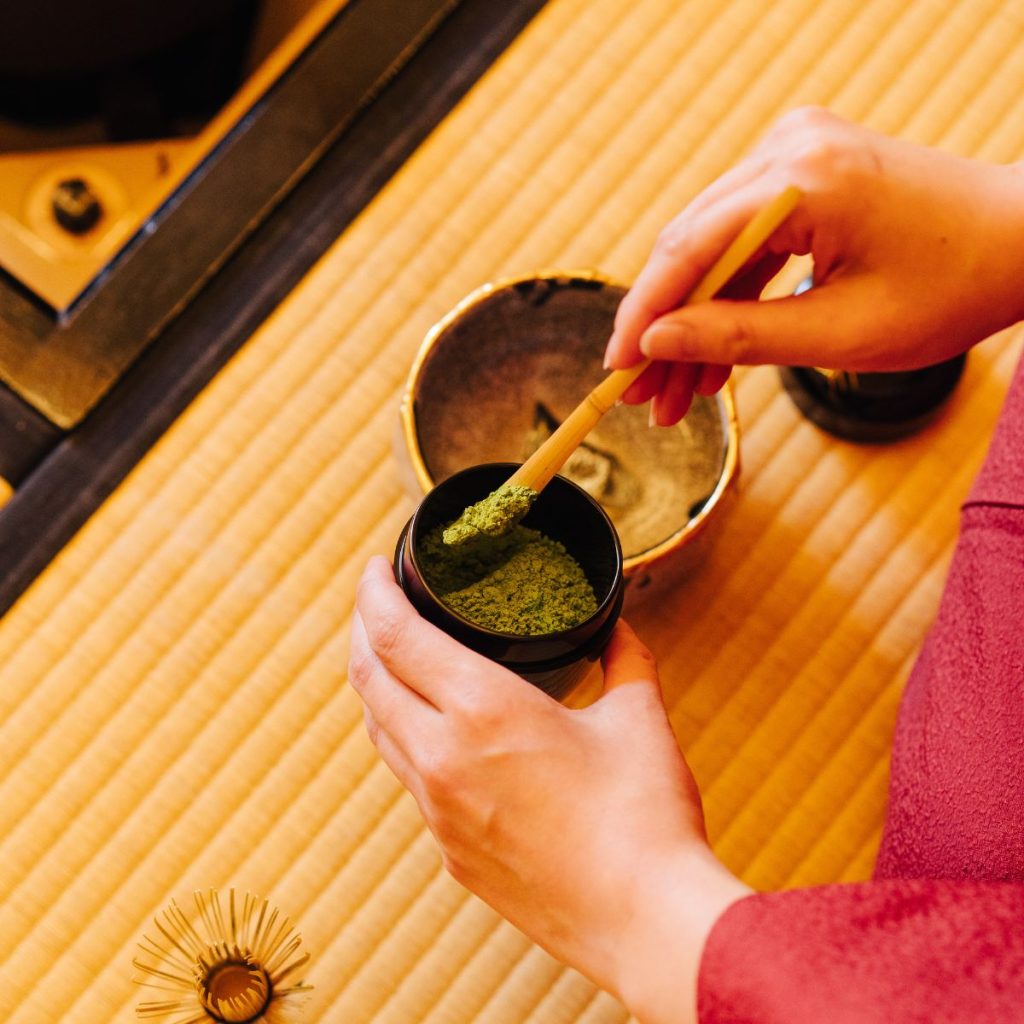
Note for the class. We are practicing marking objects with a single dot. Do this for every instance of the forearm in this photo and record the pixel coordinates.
(1001, 196)
(659, 957)
(1015, 173)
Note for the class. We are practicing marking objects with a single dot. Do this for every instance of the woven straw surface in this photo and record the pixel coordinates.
(173, 707)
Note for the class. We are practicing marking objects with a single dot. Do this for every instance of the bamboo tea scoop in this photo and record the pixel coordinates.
(500, 511)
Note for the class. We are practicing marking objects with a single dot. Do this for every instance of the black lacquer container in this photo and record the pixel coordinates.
(554, 662)
(871, 406)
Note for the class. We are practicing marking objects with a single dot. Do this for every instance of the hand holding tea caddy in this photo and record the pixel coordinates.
(584, 827)
(574, 824)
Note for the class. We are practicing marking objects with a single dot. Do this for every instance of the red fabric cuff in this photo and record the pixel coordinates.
(935, 952)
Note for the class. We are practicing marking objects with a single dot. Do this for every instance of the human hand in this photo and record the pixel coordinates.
(582, 827)
(916, 257)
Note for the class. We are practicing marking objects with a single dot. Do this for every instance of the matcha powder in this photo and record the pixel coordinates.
(494, 515)
(520, 582)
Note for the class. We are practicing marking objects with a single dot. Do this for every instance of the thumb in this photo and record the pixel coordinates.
(832, 326)
(628, 661)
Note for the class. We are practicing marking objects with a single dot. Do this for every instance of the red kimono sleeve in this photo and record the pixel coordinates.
(913, 951)
(938, 935)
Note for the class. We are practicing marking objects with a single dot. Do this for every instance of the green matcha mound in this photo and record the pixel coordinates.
(519, 582)
(494, 515)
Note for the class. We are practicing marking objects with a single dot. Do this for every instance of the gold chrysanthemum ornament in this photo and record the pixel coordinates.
(234, 965)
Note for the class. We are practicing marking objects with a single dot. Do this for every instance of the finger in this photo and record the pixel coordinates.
(750, 168)
(712, 378)
(648, 384)
(756, 163)
(424, 658)
(748, 284)
(752, 279)
(737, 177)
(394, 757)
(628, 661)
(393, 704)
(729, 182)
(800, 330)
(671, 403)
(685, 251)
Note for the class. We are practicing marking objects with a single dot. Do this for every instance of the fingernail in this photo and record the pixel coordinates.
(608, 349)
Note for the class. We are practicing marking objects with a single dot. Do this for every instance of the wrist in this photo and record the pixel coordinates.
(1015, 175)
(679, 899)
(1005, 192)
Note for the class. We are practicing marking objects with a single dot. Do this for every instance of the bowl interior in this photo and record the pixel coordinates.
(504, 372)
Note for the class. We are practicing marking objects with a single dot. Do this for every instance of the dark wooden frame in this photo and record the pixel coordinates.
(64, 364)
(366, 147)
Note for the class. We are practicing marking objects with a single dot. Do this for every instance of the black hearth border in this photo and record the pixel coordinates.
(80, 469)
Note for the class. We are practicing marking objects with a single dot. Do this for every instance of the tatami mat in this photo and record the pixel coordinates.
(173, 708)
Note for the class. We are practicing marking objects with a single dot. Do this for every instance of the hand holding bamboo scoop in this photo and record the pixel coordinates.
(502, 509)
